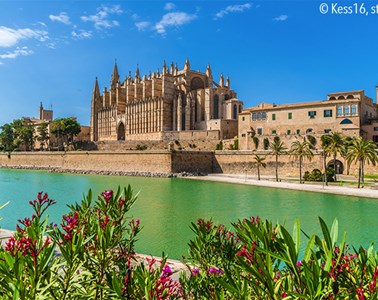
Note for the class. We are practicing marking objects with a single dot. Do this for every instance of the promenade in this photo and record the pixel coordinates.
(344, 187)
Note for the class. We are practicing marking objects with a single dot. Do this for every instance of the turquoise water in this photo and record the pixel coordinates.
(166, 207)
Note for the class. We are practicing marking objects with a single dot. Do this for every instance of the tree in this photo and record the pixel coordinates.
(7, 137)
(362, 151)
(65, 129)
(43, 135)
(23, 133)
(347, 142)
(259, 163)
(324, 145)
(301, 150)
(335, 146)
(277, 148)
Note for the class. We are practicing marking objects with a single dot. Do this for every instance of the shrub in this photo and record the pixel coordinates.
(219, 146)
(96, 241)
(312, 140)
(266, 143)
(317, 175)
(141, 147)
(256, 141)
(235, 145)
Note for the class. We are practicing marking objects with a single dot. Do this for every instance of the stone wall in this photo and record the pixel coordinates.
(192, 161)
(241, 162)
(131, 161)
(166, 162)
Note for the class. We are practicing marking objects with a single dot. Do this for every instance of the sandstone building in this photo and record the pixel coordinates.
(349, 113)
(169, 105)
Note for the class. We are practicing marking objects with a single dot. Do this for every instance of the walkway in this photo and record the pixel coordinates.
(286, 183)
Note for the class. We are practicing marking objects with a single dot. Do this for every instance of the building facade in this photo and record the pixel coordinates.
(349, 113)
(169, 105)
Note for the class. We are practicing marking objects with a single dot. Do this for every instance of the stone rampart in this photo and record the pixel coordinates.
(131, 161)
(166, 162)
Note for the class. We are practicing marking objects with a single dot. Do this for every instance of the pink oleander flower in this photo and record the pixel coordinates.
(166, 272)
(195, 272)
(213, 270)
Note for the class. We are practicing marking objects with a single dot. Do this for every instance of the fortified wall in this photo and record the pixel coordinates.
(167, 162)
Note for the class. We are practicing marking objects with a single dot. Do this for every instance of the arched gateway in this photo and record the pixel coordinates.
(121, 132)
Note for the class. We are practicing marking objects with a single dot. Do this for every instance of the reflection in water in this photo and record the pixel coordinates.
(166, 207)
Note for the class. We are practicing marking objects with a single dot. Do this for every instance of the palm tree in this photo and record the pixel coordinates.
(335, 146)
(362, 151)
(347, 142)
(301, 150)
(259, 163)
(277, 148)
(324, 145)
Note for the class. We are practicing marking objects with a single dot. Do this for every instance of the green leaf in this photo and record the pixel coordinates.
(297, 234)
(309, 248)
(334, 231)
(326, 234)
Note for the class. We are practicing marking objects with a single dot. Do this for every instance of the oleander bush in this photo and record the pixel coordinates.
(253, 259)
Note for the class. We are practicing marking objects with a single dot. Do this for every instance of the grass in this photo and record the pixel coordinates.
(371, 176)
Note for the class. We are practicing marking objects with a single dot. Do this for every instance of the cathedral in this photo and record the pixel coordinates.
(166, 105)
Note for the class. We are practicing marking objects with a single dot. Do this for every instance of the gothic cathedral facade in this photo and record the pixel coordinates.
(169, 105)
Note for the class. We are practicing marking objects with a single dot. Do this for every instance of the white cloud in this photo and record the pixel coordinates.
(81, 34)
(169, 6)
(62, 18)
(173, 19)
(232, 9)
(101, 19)
(281, 18)
(10, 37)
(17, 52)
(141, 26)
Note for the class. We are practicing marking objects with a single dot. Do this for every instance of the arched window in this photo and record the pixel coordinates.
(226, 97)
(332, 98)
(183, 121)
(216, 107)
(240, 109)
(235, 112)
(346, 121)
(350, 97)
(308, 130)
(340, 98)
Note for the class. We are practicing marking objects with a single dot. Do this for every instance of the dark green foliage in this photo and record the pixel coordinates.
(65, 129)
(256, 141)
(317, 175)
(312, 140)
(266, 143)
(219, 146)
(141, 147)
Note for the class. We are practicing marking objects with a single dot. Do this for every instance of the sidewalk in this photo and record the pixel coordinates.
(369, 192)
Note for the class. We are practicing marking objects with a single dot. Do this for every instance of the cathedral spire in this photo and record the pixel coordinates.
(40, 111)
(137, 74)
(95, 93)
(115, 76)
(172, 70)
(208, 71)
(228, 82)
(221, 80)
(187, 65)
(164, 68)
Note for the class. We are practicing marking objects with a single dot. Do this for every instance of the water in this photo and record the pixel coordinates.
(166, 207)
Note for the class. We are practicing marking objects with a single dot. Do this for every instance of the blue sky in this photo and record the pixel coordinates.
(273, 51)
